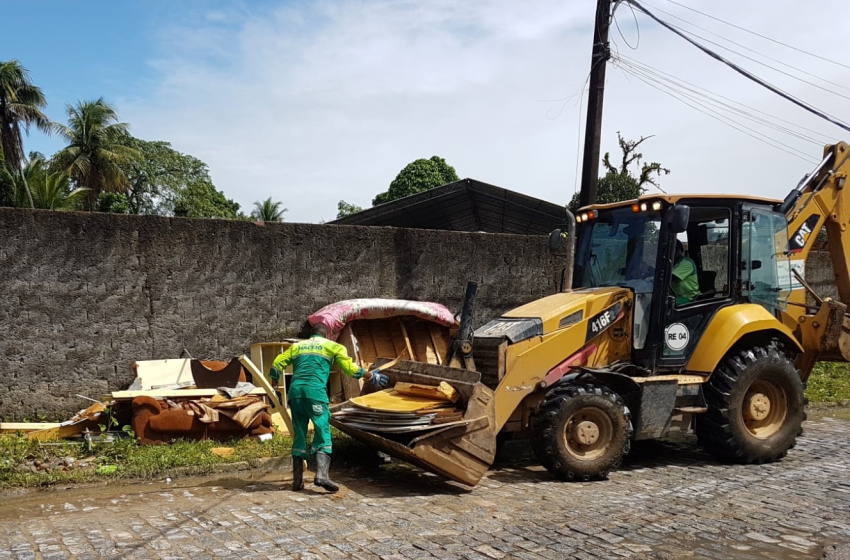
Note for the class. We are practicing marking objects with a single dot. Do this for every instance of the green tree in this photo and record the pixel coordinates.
(416, 177)
(200, 199)
(113, 203)
(20, 107)
(157, 177)
(268, 211)
(48, 190)
(95, 152)
(346, 209)
(618, 183)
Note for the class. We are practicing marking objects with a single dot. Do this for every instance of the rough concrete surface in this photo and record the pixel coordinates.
(84, 295)
(670, 501)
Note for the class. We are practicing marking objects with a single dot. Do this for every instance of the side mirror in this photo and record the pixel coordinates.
(556, 239)
(679, 216)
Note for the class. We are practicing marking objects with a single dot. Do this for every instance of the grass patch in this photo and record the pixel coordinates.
(829, 384)
(28, 463)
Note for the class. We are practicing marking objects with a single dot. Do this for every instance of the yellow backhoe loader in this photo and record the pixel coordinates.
(685, 313)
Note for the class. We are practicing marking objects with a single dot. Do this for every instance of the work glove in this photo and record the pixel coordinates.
(274, 375)
(379, 380)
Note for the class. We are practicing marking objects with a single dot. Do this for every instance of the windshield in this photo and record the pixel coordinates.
(619, 249)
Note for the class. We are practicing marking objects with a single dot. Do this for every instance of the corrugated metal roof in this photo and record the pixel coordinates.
(465, 205)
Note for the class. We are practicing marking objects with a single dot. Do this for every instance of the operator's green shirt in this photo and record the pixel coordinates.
(685, 283)
(312, 361)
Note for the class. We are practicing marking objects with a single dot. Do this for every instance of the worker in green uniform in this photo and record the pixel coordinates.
(312, 361)
(685, 283)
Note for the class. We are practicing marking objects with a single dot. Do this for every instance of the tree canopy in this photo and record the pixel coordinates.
(268, 211)
(95, 152)
(618, 183)
(418, 176)
(20, 107)
(156, 179)
(200, 199)
(346, 209)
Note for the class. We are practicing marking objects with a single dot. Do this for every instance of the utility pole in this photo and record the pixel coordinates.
(593, 128)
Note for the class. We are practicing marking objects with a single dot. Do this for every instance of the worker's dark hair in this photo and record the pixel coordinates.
(320, 329)
(680, 246)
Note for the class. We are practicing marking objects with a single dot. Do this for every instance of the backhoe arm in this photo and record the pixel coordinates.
(821, 200)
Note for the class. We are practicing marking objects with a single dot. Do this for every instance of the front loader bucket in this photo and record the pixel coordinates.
(461, 451)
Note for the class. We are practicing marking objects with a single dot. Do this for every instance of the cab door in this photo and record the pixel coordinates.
(709, 244)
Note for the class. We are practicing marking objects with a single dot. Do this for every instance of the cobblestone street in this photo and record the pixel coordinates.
(669, 501)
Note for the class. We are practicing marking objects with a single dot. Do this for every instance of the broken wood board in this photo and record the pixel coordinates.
(12, 427)
(443, 391)
(83, 420)
(277, 406)
(389, 400)
(151, 373)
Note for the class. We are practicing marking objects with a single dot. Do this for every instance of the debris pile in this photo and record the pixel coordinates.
(404, 408)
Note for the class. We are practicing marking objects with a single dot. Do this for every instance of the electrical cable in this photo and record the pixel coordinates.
(691, 33)
(620, 31)
(713, 113)
(745, 47)
(744, 72)
(760, 35)
(733, 106)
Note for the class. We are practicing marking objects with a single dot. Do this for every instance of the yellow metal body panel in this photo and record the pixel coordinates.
(674, 198)
(551, 309)
(726, 328)
(528, 361)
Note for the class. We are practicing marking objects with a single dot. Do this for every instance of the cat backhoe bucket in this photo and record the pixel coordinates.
(462, 450)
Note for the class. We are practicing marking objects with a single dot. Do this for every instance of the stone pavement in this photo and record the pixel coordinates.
(670, 501)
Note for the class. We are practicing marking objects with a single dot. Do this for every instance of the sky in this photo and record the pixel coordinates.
(313, 102)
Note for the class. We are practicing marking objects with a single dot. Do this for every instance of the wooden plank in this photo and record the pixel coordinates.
(259, 378)
(163, 372)
(10, 427)
(406, 339)
(501, 352)
(350, 387)
(434, 338)
(65, 430)
(443, 391)
(175, 393)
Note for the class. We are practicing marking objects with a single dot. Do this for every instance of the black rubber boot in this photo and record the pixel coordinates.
(297, 474)
(323, 464)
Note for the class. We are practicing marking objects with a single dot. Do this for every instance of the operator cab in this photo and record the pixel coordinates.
(730, 250)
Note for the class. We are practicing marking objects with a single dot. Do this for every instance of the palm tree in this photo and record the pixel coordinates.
(268, 211)
(51, 191)
(20, 106)
(95, 150)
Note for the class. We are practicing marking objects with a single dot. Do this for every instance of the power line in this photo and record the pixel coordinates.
(759, 35)
(700, 107)
(742, 71)
(730, 104)
(745, 47)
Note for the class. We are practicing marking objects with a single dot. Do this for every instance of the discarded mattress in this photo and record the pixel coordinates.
(336, 315)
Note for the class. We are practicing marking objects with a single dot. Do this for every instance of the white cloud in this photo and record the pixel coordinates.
(311, 103)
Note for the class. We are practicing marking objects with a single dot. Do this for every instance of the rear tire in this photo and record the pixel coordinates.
(581, 432)
(756, 406)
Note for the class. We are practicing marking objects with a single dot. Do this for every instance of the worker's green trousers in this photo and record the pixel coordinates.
(304, 410)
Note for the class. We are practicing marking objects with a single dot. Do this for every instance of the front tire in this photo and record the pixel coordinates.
(581, 432)
(756, 407)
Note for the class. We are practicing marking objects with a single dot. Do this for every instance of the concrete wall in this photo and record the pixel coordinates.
(83, 296)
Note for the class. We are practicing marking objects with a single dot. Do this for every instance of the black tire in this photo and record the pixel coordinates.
(756, 406)
(581, 432)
